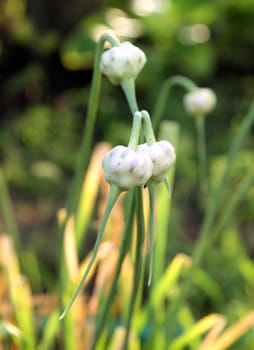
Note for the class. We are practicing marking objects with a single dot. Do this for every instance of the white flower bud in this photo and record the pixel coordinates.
(200, 101)
(162, 155)
(126, 168)
(123, 61)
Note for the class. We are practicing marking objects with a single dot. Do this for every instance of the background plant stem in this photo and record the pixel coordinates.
(163, 95)
(202, 162)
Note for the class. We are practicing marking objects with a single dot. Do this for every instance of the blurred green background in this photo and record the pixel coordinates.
(46, 54)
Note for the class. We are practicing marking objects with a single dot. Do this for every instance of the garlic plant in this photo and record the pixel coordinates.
(132, 167)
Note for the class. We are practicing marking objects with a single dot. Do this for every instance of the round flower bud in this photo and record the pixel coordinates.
(200, 101)
(126, 168)
(123, 61)
(162, 155)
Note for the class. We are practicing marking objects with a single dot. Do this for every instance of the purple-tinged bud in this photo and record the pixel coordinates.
(123, 61)
(162, 155)
(127, 168)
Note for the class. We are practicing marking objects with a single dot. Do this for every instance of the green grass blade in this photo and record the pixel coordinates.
(49, 332)
(114, 194)
(8, 214)
(20, 293)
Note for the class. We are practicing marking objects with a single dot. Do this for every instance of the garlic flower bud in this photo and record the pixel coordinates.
(127, 168)
(123, 61)
(162, 155)
(200, 101)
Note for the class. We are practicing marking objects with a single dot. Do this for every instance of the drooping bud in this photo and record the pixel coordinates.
(123, 61)
(162, 155)
(200, 101)
(127, 168)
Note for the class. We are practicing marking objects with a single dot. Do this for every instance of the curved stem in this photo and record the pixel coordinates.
(110, 38)
(128, 86)
(113, 195)
(135, 130)
(162, 100)
(86, 145)
(123, 251)
(149, 133)
(87, 137)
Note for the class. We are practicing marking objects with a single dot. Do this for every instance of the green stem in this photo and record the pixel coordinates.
(152, 194)
(88, 133)
(135, 130)
(210, 214)
(138, 264)
(84, 154)
(113, 195)
(123, 251)
(169, 131)
(128, 86)
(200, 128)
(81, 166)
(162, 100)
(149, 133)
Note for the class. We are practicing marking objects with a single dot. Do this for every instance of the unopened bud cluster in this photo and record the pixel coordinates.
(128, 168)
(200, 101)
(121, 62)
(162, 155)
